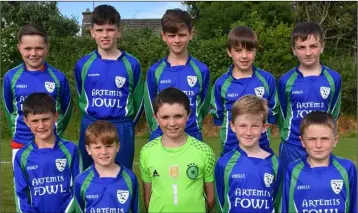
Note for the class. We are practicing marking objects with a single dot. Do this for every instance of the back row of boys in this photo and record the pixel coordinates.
(120, 101)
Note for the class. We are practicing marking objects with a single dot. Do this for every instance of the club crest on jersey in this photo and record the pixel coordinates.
(268, 179)
(174, 171)
(325, 92)
(337, 186)
(61, 164)
(122, 196)
(260, 91)
(120, 81)
(191, 80)
(50, 86)
(192, 171)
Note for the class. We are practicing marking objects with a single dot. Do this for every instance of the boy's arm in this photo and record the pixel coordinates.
(138, 93)
(22, 190)
(78, 79)
(79, 202)
(336, 100)
(353, 189)
(66, 105)
(77, 163)
(210, 160)
(7, 99)
(150, 91)
(219, 187)
(216, 104)
(277, 193)
(147, 191)
(284, 204)
(281, 93)
(273, 103)
(135, 205)
(205, 94)
(146, 178)
(209, 192)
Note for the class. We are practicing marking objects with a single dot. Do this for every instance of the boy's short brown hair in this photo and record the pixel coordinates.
(32, 29)
(242, 36)
(39, 103)
(101, 131)
(249, 104)
(318, 118)
(175, 19)
(304, 30)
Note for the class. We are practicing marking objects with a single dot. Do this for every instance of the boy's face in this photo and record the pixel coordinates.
(319, 140)
(102, 154)
(33, 50)
(105, 36)
(308, 52)
(248, 129)
(41, 125)
(172, 120)
(242, 58)
(177, 42)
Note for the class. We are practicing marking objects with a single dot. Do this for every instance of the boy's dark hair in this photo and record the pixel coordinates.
(249, 104)
(101, 131)
(32, 29)
(304, 30)
(171, 96)
(105, 14)
(39, 103)
(318, 118)
(175, 19)
(242, 36)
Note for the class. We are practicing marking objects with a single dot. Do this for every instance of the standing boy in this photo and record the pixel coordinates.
(177, 169)
(106, 186)
(310, 86)
(33, 75)
(179, 70)
(243, 78)
(110, 85)
(319, 181)
(44, 169)
(247, 179)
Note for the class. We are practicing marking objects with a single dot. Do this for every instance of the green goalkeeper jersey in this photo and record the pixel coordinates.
(177, 175)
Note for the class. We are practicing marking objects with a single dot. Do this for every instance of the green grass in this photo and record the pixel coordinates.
(347, 148)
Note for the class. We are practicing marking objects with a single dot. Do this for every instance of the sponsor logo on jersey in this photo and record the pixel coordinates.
(260, 91)
(50, 86)
(120, 81)
(92, 196)
(238, 176)
(232, 95)
(168, 81)
(21, 86)
(32, 167)
(297, 92)
(191, 80)
(155, 173)
(325, 92)
(94, 74)
(337, 186)
(122, 196)
(268, 179)
(61, 164)
(192, 171)
(303, 187)
(174, 171)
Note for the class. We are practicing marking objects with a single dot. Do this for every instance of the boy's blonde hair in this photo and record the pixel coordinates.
(249, 104)
(318, 118)
(101, 131)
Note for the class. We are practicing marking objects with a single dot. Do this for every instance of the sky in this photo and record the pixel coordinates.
(127, 10)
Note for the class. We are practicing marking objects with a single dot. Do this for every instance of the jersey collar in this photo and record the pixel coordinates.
(56, 143)
(43, 68)
(96, 174)
(119, 58)
(232, 67)
(245, 154)
(304, 159)
(169, 65)
(301, 74)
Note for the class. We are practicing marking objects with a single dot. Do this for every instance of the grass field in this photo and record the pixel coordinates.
(347, 148)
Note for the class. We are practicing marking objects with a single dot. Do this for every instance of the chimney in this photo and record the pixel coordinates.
(86, 21)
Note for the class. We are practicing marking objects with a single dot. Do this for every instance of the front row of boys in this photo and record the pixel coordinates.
(178, 170)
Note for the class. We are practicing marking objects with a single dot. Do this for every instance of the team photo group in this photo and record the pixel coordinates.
(179, 171)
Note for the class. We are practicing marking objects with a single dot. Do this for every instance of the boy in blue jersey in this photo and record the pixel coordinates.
(179, 70)
(44, 169)
(247, 179)
(106, 186)
(241, 79)
(319, 181)
(110, 85)
(310, 86)
(33, 75)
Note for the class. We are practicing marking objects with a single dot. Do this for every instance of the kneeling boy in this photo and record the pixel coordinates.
(320, 181)
(106, 186)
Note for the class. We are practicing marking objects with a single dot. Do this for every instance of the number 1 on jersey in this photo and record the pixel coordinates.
(175, 194)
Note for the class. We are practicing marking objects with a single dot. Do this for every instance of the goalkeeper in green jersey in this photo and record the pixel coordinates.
(177, 169)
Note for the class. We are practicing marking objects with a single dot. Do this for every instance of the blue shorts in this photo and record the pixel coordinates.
(289, 153)
(125, 155)
(158, 133)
